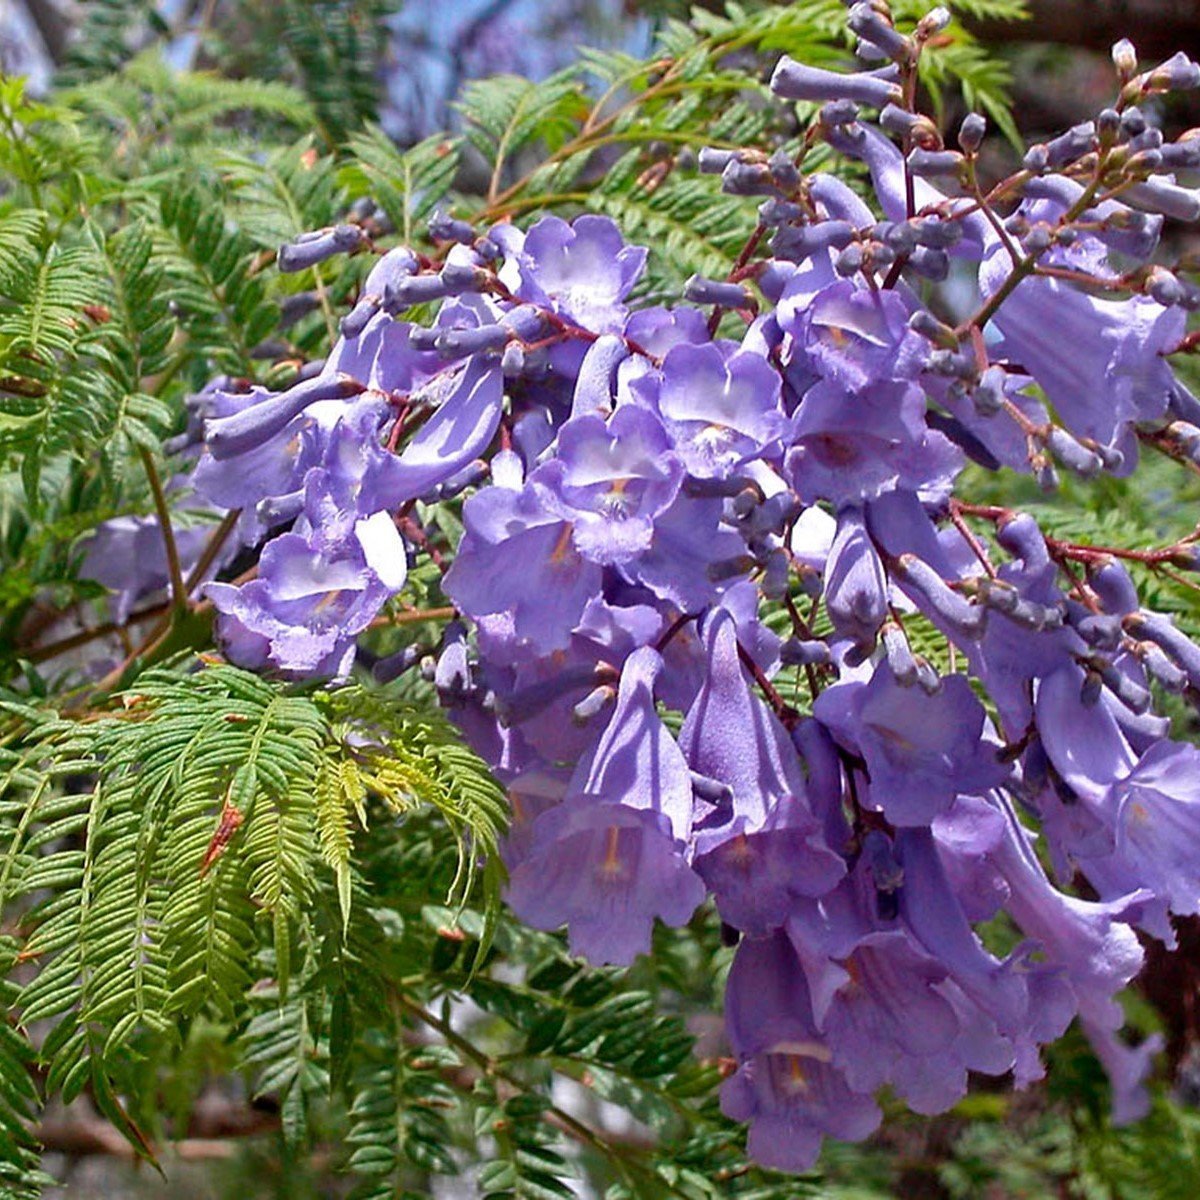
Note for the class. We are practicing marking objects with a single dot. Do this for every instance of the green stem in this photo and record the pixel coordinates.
(174, 570)
(212, 548)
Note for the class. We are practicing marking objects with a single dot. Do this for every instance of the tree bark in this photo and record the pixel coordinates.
(52, 26)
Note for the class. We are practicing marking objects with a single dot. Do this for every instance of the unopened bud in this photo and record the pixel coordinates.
(797, 653)
(309, 249)
(837, 113)
(1067, 147)
(1158, 196)
(927, 325)
(1072, 455)
(971, 132)
(593, 704)
(699, 290)
(1124, 58)
(925, 163)
(453, 343)
(989, 394)
(929, 263)
(875, 29)
(793, 80)
(713, 161)
(445, 228)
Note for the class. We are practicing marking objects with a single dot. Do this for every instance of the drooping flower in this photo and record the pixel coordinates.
(921, 750)
(763, 847)
(611, 857)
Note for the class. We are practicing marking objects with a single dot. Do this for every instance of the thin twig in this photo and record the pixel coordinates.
(174, 570)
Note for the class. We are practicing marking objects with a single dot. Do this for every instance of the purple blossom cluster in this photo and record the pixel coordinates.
(648, 504)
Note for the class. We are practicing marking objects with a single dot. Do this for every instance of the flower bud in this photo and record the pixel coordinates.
(445, 228)
(798, 243)
(1124, 58)
(1067, 147)
(783, 171)
(1108, 126)
(1178, 73)
(928, 680)
(416, 289)
(936, 233)
(849, 260)
(838, 112)
(713, 161)
(248, 429)
(452, 674)
(1183, 155)
(924, 163)
(926, 324)
(875, 29)
(1158, 196)
(899, 656)
(1037, 158)
(971, 132)
(945, 604)
(1163, 287)
(1101, 630)
(309, 249)
(840, 201)
(989, 394)
(593, 704)
(1149, 139)
(699, 290)
(1072, 455)
(929, 263)
(460, 277)
(797, 653)
(454, 343)
(1161, 668)
(747, 179)
(793, 80)
(775, 211)
(933, 22)
(1131, 694)
(1152, 627)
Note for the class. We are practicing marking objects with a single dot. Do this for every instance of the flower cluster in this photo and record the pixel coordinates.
(642, 494)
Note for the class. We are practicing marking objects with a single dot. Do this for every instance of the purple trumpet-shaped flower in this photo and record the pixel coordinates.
(1127, 1068)
(612, 479)
(849, 447)
(855, 583)
(786, 1085)
(691, 557)
(1152, 819)
(127, 555)
(720, 404)
(932, 909)
(459, 431)
(610, 858)
(921, 750)
(1100, 362)
(1083, 741)
(846, 332)
(763, 848)
(583, 271)
(518, 558)
(309, 602)
(877, 1000)
(1092, 943)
